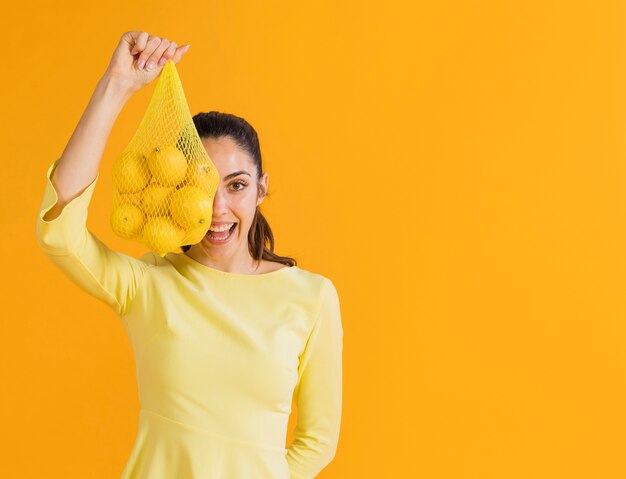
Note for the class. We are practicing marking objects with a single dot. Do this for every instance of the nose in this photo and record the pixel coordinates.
(220, 203)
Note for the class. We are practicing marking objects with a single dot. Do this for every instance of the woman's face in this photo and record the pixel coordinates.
(235, 201)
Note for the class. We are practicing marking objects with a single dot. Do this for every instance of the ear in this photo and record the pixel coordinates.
(263, 185)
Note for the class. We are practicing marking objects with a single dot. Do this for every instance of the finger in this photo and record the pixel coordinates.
(156, 54)
(140, 40)
(168, 53)
(180, 51)
(151, 45)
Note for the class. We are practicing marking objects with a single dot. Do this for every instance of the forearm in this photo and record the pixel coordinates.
(307, 456)
(79, 163)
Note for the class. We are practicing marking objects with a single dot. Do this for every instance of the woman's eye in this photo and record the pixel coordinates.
(238, 183)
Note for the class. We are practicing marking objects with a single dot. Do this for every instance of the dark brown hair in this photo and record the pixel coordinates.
(217, 125)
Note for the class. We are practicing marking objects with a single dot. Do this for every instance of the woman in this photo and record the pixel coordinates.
(224, 334)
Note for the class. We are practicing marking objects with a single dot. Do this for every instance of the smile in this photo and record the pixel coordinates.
(221, 237)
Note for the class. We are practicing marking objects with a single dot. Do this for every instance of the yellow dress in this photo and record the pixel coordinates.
(219, 356)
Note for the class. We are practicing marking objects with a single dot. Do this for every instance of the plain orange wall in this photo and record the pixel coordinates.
(456, 168)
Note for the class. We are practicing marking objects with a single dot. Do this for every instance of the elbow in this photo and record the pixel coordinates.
(327, 452)
(57, 233)
(44, 236)
(40, 236)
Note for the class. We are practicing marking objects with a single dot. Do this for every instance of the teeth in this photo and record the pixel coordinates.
(220, 236)
(221, 228)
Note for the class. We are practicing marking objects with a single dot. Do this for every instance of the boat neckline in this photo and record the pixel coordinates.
(210, 269)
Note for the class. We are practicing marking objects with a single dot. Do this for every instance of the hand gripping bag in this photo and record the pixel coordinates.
(164, 182)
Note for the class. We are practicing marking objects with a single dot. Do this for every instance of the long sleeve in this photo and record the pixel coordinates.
(318, 394)
(109, 276)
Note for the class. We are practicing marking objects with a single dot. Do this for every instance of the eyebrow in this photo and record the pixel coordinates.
(236, 173)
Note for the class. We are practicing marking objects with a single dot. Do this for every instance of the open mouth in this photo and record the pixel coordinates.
(221, 236)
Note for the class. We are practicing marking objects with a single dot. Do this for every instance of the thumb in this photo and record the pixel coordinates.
(180, 51)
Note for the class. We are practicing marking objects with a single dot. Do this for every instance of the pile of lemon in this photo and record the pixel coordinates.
(162, 199)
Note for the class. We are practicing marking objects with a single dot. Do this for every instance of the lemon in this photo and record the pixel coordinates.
(201, 173)
(155, 199)
(194, 236)
(127, 220)
(130, 172)
(168, 165)
(162, 235)
(131, 198)
(191, 207)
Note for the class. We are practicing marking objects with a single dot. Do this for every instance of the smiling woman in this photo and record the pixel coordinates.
(221, 348)
(233, 145)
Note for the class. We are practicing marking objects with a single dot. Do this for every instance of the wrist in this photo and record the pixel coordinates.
(116, 86)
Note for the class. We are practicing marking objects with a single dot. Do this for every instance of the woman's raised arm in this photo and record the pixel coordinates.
(62, 234)
(128, 72)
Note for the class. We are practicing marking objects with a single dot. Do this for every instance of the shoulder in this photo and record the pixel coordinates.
(156, 262)
(315, 284)
(152, 259)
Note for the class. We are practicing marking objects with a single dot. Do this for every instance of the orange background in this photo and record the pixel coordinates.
(456, 168)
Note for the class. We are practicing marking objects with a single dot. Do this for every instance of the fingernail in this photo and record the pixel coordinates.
(141, 64)
(162, 61)
(187, 48)
(150, 65)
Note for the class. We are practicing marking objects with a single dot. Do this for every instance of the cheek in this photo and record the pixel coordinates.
(244, 208)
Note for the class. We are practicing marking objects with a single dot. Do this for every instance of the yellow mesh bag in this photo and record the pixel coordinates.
(164, 182)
